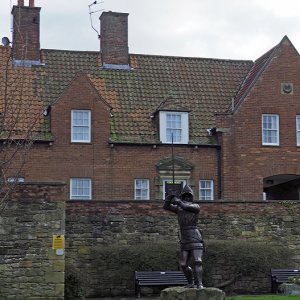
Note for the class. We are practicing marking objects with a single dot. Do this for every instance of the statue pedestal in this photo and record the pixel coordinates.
(181, 293)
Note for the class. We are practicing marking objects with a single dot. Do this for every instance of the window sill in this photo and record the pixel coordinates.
(81, 143)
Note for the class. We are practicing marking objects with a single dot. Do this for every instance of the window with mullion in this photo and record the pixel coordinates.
(141, 189)
(174, 128)
(206, 191)
(174, 124)
(298, 129)
(270, 129)
(81, 126)
(80, 189)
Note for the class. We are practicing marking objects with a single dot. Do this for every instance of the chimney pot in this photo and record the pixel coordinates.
(20, 2)
(31, 3)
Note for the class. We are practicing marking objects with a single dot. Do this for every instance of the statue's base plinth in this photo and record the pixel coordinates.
(181, 293)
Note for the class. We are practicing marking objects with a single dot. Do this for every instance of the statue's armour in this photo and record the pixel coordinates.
(190, 235)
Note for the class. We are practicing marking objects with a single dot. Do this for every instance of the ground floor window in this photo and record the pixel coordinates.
(80, 189)
(206, 191)
(15, 179)
(175, 188)
(298, 130)
(141, 189)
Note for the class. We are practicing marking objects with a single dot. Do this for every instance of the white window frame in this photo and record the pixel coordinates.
(16, 179)
(184, 127)
(267, 131)
(73, 140)
(147, 189)
(298, 129)
(87, 196)
(205, 189)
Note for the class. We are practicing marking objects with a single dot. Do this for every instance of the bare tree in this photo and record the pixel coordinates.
(20, 120)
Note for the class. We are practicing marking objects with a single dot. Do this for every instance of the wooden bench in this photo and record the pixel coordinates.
(157, 278)
(279, 276)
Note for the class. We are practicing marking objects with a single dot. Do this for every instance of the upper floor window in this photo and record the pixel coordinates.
(206, 190)
(81, 126)
(174, 125)
(270, 130)
(80, 189)
(298, 129)
(141, 189)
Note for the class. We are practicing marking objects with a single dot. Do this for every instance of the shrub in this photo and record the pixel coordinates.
(141, 257)
(244, 258)
(74, 284)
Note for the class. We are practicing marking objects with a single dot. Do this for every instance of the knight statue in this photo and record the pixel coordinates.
(191, 243)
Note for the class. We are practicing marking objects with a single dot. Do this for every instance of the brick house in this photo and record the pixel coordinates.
(108, 123)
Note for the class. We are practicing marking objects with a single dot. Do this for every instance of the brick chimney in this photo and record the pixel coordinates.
(114, 39)
(26, 31)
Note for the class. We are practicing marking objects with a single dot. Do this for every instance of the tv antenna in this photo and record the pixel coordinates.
(93, 12)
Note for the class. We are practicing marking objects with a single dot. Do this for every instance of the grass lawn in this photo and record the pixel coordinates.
(265, 297)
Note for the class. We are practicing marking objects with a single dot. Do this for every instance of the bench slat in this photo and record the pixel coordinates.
(162, 280)
(158, 278)
(279, 276)
(160, 283)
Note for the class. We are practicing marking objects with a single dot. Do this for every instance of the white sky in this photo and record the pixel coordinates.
(231, 29)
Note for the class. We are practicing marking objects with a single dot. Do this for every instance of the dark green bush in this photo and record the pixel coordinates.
(142, 257)
(244, 258)
(74, 284)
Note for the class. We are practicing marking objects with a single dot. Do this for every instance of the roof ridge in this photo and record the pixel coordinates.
(191, 57)
(66, 50)
(154, 55)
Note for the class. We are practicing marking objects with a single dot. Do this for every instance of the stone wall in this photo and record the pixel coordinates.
(29, 267)
(93, 224)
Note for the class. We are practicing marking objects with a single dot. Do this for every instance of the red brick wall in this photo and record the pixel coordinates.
(245, 161)
(112, 169)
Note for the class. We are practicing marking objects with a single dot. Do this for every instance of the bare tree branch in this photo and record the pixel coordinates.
(20, 121)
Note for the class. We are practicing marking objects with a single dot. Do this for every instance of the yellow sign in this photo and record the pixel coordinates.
(58, 242)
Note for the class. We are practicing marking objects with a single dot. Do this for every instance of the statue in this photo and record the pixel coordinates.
(191, 242)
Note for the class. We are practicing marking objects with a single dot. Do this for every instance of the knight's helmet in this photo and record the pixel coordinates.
(187, 190)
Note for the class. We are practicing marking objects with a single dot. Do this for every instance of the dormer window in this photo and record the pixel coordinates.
(81, 126)
(174, 124)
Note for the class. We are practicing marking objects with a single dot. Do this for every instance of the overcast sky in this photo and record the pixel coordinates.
(230, 29)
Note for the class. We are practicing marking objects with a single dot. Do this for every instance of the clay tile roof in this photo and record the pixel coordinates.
(20, 107)
(201, 86)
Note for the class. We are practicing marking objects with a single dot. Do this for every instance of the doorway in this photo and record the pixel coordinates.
(282, 187)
